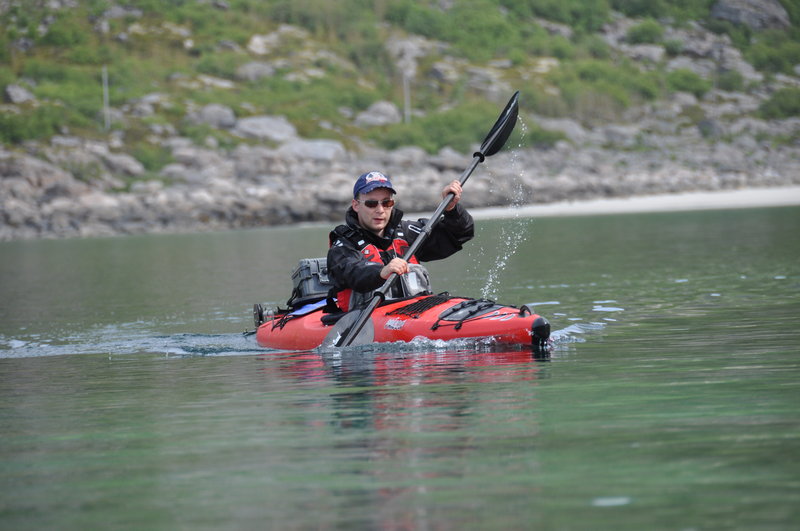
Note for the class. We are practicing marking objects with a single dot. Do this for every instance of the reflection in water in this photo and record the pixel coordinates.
(411, 415)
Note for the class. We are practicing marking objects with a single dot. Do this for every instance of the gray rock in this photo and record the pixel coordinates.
(704, 68)
(449, 159)
(17, 94)
(255, 70)
(409, 156)
(554, 28)
(710, 128)
(121, 12)
(316, 150)
(379, 113)
(252, 162)
(200, 165)
(265, 44)
(489, 81)
(624, 136)
(445, 71)
(122, 164)
(407, 51)
(730, 59)
(572, 129)
(272, 128)
(117, 163)
(214, 114)
(652, 53)
(23, 44)
(755, 14)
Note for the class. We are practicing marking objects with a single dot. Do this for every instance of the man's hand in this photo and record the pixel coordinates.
(454, 188)
(397, 265)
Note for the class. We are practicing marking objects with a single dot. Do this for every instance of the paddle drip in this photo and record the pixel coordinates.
(513, 233)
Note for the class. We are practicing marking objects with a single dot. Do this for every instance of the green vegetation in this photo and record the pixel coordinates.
(784, 103)
(646, 32)
(170, 47)
(775, 51)
(687, 81)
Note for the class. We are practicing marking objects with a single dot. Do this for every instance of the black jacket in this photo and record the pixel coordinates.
(348, 267)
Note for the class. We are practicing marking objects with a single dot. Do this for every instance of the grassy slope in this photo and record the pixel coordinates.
(168, 46)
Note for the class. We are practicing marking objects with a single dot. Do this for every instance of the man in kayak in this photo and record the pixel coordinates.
(368, 248)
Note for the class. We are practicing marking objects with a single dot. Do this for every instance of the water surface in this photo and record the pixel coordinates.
(129, 397)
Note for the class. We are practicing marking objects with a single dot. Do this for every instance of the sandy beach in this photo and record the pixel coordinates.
(747, 198)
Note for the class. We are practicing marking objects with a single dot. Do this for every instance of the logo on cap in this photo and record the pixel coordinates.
(375, 176)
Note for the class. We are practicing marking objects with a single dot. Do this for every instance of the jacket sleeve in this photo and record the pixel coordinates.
(349, 269)
(454, 230)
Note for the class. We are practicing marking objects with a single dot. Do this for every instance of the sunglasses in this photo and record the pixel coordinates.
(373, 203)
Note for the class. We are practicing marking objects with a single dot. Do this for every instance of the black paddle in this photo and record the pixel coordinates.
(493, 142)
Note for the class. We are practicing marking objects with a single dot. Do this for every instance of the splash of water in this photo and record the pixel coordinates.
(515, 232)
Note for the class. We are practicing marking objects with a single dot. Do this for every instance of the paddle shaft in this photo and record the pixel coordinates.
(380, 294)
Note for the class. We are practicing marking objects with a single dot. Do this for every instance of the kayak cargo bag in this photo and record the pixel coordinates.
(310, 281)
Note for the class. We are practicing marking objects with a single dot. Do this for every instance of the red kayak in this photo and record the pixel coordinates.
(435, 317)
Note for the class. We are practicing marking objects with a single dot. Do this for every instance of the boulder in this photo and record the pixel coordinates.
(17, 94)
(408, 156)
(252, 162)
(316, 150)
(214, 114)
(446, 72)
(272, 128)
(652, 53)
(755, 14)
(117, 163)
(379, 113)
(571, 129)
(255, 70)
(266, 44)
(624, 136)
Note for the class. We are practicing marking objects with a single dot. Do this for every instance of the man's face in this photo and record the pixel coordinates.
(373, 219)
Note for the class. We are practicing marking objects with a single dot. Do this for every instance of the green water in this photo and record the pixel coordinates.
(129, 398)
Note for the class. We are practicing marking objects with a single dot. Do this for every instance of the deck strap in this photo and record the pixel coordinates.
(280, 321)
(473, 307)
(415, 309)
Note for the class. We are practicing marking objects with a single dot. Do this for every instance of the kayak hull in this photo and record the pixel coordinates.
(442, 318)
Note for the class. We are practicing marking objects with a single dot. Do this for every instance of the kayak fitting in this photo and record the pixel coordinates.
(258, 315)
(540, 330)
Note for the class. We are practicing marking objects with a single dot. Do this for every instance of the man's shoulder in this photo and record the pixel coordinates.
(344, 236)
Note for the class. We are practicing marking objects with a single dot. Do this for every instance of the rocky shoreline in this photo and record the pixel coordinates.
(308, 180)
(311, 180)
(75, 187)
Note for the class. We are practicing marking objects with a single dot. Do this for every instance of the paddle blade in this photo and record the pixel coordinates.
(342, 328)
(502, 128)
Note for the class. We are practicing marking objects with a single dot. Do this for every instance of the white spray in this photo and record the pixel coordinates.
(512, 233)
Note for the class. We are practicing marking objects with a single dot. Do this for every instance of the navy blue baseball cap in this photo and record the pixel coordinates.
(368, 182)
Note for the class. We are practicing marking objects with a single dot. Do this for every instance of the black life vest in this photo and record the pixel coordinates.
(346, 297)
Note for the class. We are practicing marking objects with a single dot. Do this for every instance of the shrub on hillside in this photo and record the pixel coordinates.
(40, 122)
(583, 15)
(459, 128)
(153, 157)
(784, 103)
(775, 51)
(677, 9)
(731, 81)
(683, 80)
(66, 31)
(600, 90)
(646, 32)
